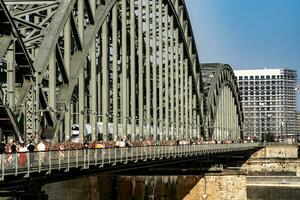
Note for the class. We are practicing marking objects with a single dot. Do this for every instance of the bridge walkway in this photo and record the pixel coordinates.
(84, 159)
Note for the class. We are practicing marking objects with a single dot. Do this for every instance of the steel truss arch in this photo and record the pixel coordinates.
(224, 114)
(74, 40)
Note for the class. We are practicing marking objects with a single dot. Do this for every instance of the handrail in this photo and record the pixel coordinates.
(46, 161)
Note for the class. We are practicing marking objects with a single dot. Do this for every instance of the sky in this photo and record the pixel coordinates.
(248, 34)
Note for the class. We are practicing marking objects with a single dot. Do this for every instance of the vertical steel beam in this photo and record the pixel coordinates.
(11, 75)
(105, 84)
(148, 89)
(160, 72)
(82, 74)
(182, 90)
(177, 81)
(93, 82)
(124, 70)
(186, 97)
(132, 69)
(99, 77)
(67, 55)
(166, 41)
(141, 68)
(154, 68)
(190, 107)
(172, 73)
(115, 70)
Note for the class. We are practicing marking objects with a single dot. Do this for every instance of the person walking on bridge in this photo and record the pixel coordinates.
(41, 148)
(31, 148)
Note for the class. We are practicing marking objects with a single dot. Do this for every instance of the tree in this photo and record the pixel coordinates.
(269, 137)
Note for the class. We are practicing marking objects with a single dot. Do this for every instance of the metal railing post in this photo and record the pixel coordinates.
(137, 154)
(3, 167)
(95, 156)
(84, 158)
(59, 160)
(88, 158)
(126, 161)
(76, 158)
(28, 163)
(15, 157)
(49, 163)
(115, 150)
(109, 151)
(102, 157)
(68, 169)
(40, 160)
(121, 149)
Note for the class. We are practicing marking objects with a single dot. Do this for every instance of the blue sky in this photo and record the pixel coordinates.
(248, 34)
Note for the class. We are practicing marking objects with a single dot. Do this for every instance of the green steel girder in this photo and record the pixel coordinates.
(216, 76)
(78, 24)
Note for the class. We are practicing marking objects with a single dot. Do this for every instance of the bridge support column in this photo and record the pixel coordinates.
(154, 68)
(67, 53)
(181, 91)
(115, 71)
(186, 99)
(105, 79)
(166, 54)
(177, 82)
(160, 73)
(81, 82)
(172, 74)
(140, 70)
(124, 100)
(148, 67)
(132, 70)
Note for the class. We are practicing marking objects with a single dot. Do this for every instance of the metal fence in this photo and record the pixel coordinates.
(25, 163)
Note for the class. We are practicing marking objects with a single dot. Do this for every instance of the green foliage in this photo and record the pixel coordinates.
(269, 137)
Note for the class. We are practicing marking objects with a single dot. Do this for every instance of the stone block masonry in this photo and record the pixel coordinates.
(215, 186)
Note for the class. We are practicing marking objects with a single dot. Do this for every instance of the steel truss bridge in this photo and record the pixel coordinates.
(129, 66)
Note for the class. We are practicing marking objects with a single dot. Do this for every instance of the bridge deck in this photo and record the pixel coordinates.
(46, 162)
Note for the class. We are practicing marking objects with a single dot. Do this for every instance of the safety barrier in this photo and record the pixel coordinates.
(26, 163)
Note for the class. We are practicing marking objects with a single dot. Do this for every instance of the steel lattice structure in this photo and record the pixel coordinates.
(132, 64)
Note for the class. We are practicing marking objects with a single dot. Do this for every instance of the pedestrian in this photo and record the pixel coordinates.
(23, 155)
(31, 148)
(41, 148)
(61, 151)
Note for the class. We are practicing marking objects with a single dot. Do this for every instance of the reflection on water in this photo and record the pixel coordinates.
(165, 188)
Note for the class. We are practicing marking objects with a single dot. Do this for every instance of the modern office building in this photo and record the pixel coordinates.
(298, 125)
(269, 102)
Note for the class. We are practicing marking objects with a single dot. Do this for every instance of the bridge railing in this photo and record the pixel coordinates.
(26, 163)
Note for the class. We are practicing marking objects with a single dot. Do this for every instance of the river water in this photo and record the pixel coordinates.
(155, 188)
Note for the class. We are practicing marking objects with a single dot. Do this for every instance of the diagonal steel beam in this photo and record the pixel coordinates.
(61, 65)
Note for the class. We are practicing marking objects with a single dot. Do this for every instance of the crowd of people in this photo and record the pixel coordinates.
(17, 151)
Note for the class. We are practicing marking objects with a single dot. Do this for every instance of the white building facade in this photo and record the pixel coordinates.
(268, 99)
